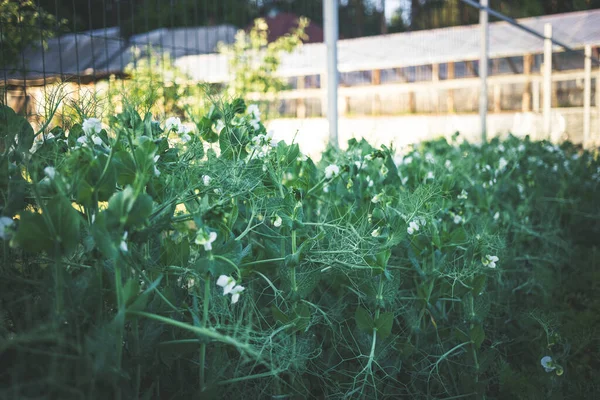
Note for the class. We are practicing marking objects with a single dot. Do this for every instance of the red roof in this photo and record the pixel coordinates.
(283, 23)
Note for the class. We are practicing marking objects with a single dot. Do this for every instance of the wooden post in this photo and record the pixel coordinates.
(587, 94)
(547, 74)
(450, 94)
(412, 102)
(435, 77)
(598, 98)
(526, 98)
(497, 98)
(536, 96)
(300, 103)
(376, 80)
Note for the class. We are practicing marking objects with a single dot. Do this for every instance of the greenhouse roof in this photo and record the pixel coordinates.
(102, 52)
(418, 48)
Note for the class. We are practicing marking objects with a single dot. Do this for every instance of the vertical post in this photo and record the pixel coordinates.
(598, 99)
(376, 80)
(547, 73)
(435, 78)
(536, 96)
(300, 101)
(330, 12)
(526, 98)
(497, 98)
(483, 67)
(450, 94)
(587, 94)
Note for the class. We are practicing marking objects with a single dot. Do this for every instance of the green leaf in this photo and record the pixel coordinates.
(384, 324)
(141, 300)
(478, 284)
(66, 222)
(33, 235)
(174, 253)
(458, 236)
(477, 335)
(364, 321)
(279, 315)
(125, 167)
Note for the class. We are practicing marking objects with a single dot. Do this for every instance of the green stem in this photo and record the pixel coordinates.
(136, 350)
(262, 261)
(207, 333)
(205, 305)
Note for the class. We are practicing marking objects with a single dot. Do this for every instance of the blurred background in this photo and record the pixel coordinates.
(408, 70)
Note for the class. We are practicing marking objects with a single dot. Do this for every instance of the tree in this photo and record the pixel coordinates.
(24, 24)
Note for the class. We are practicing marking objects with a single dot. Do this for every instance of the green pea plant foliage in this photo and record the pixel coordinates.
(145, 259)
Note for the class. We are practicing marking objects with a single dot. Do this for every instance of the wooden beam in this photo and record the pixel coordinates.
(376, 80)
(526, 97)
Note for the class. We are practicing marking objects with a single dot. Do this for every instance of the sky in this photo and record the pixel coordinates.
(392, 5)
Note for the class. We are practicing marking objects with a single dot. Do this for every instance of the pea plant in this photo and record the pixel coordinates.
(204, 258)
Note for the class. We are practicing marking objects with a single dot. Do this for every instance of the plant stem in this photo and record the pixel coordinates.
(205, 305)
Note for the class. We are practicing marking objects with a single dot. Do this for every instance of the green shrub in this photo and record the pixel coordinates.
(145, 260)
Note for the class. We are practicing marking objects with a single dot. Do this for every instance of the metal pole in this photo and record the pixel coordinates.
(547, 73)
(330, 13)
(483, 68)
(587, 94)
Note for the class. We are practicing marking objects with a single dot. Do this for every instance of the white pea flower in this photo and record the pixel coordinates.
(331, 171)
(457, 219)
(50, 172)
(235, 293)
(502, 163)
(407, 160)
(91, 126)
(206, 241)
(412, 227)
(277, 222)
(463, 195)
(173, 124)
(326, 189)
(377, 198)
(548, 363)
(219, 126)
(254, 111)
(501, 148)
(206, 180)
(123, 244)
(448, 165)
(97, 140)
(404, 180)
(429, 158)
(521, 148)
(227, 283)
(430, 175)
(185, 138)
(6, 224)
(229, 287)
(82, 141)
(370, 182)
(271, 140)
(376, 232)
(490, 261)
(496, 216)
